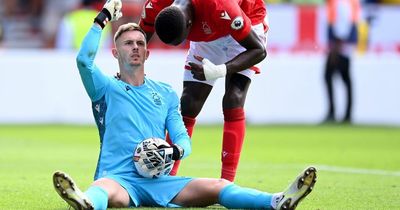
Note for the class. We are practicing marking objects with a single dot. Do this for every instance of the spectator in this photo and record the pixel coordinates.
(53, 13)
(74, 25)
(20, 22)
(1, 33)
(343, 17)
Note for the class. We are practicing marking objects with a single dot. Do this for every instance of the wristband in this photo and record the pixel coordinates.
(177, 154)
(212, 71)
(103, 17)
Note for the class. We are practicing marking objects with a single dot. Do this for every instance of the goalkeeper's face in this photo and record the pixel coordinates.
(131, 48)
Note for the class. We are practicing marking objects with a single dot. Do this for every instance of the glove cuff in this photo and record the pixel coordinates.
(103, 17)
(177, 153)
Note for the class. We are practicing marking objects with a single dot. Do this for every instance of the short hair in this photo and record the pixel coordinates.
(128, 27)
(170, 25)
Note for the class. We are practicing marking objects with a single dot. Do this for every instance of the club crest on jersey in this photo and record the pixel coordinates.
(237, 23)
(206, 28)
(156, 98)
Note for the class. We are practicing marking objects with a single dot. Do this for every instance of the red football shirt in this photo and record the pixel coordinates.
(254, 9)
(213, 18)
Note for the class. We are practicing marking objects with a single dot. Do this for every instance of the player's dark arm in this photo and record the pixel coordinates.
(255, 53)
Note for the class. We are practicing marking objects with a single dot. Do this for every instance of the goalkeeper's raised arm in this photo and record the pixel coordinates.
(92, 78)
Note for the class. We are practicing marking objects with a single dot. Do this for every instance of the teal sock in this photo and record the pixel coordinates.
(235, 197)
(98, 196)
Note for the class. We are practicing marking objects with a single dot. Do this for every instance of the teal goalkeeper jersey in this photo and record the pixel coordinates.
(125, 114)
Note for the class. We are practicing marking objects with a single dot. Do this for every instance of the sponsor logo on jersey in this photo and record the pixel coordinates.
(206, 28)
(97, 107)
(149, 5)
(224, 15)
(224, 153)
(146, 6)
(143, 14)
(237, 23)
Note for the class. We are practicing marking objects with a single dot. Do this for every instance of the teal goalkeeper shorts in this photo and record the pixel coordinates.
(152, 192)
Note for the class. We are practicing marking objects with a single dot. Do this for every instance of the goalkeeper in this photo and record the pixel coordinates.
(131, 108)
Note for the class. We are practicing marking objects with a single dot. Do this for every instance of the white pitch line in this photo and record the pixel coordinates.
(328, 168)
(357, 170)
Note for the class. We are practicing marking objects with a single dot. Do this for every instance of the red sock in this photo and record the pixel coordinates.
(189, 124)
(234, 130)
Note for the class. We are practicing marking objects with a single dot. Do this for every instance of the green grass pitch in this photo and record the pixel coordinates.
(358, 166)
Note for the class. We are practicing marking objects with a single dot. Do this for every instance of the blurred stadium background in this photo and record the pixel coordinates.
(39, 82)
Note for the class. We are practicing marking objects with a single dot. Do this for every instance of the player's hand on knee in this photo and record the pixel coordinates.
(207, 71)
(197, 69)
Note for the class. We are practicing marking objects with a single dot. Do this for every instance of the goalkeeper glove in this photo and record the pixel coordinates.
(111, 11)
(177, 152)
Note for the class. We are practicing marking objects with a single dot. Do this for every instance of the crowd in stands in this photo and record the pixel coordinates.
(320, 2)
(48, 24)
(54, 24)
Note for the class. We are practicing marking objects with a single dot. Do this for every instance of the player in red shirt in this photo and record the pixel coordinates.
(227, 38)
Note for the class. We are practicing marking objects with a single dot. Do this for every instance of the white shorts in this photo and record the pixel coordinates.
(220, 51)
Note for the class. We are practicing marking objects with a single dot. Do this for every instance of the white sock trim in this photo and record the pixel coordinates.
(276, 197)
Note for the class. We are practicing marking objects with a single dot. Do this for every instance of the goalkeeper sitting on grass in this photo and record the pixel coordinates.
(132, 108)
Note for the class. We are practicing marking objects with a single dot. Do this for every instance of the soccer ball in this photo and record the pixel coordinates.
(153, 158)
